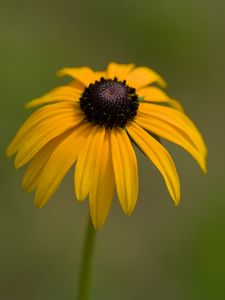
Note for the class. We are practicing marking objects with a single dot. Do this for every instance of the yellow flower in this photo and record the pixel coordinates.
(92, 122)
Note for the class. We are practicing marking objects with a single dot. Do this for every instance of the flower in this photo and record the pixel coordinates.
(92, 121)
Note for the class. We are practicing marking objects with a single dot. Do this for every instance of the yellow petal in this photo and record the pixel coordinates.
(59, 163)
(153, 94)
(62, 93)
(84, 74)
(176, 104)
(76, 84)
(36, 165)
(41, 115)
(99, 75)
(43, 133)
(125, 169)
(178, 120)
(159, 156)
(171, 133)
(120, 71)
(101, 192)
(142, 76)
(87, 162)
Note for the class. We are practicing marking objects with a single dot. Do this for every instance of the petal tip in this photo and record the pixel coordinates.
(28, 104)
(128, 210)
(61, 72)
(176, 202)
(205, 170)
(17, 165)
(203, 166)
(25, 188)
(8, 152)
(176, 198)
(163, 83)
(38, 204)
(97, 225)
(80, 197)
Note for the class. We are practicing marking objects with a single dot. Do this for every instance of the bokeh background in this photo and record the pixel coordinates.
(160, 252)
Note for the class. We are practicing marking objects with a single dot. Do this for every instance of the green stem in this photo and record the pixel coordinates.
(86, 263)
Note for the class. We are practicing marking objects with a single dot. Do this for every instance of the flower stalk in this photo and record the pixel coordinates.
(86, 263)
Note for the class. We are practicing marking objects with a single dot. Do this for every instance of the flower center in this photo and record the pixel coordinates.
(109, 102)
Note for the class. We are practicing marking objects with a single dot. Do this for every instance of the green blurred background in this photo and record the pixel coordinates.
(160, 252)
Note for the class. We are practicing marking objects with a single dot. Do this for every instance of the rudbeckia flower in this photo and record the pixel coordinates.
(91, 124)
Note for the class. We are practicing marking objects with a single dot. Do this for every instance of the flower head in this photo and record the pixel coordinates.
(92, 122)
